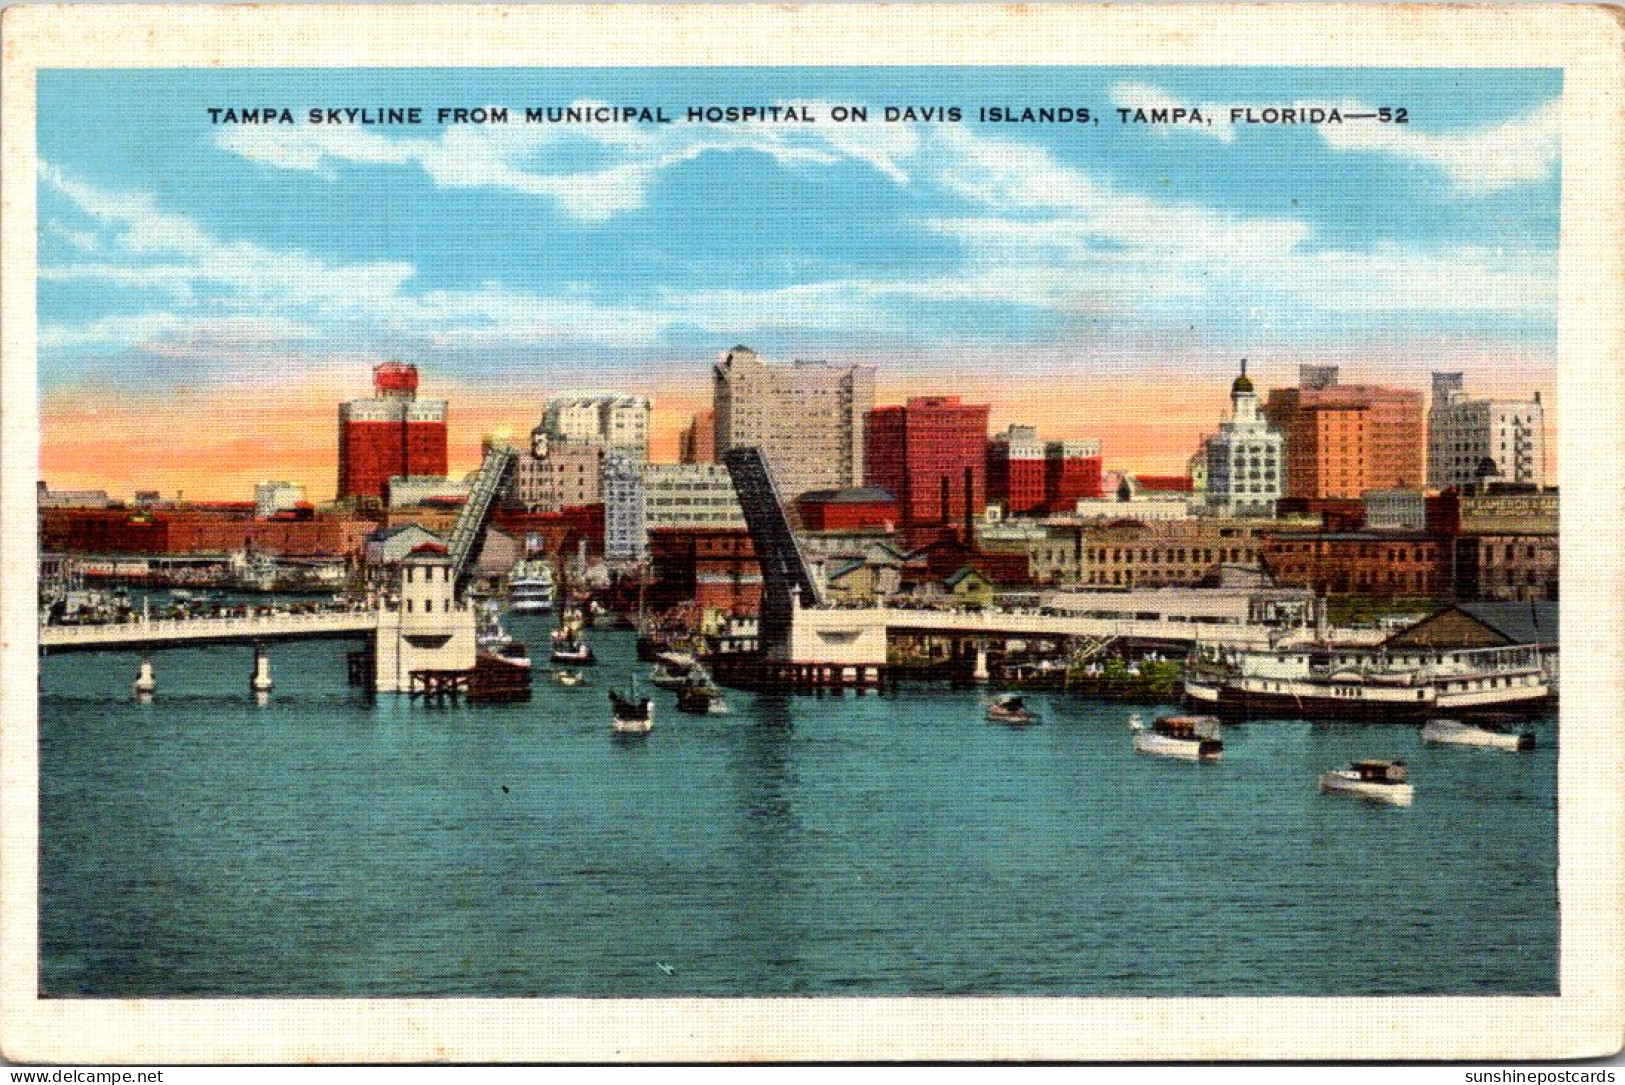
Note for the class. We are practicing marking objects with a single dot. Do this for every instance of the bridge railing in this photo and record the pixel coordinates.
(181, 628)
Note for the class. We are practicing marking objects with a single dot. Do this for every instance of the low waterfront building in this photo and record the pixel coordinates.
(1133, 552)
(1484, 625)
(389, 546)
(1505, 567)
(47, 498)
(213, 530)
(874, 577)
(573, 532)
(860, 509)
(423, 489)
(1383, 564)
(1283, 610)
(968, 588)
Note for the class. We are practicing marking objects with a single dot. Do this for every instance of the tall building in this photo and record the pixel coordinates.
(626, 533)
(697, 442)
(392, 434)
(690, 495)
(557, 474)
(1073, 470)
(931, 453)
(1015, 470)
(1246, 459)
(1463, 433)
(1345, 439)
(808, 418)
(609, 419)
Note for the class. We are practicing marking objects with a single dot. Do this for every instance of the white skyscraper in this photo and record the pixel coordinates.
(1246, 459)
(1463, 433)
(609, 419)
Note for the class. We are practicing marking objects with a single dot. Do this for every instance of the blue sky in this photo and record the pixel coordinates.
(594, 253)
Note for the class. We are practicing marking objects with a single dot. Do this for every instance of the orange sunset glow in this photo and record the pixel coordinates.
(217, 443)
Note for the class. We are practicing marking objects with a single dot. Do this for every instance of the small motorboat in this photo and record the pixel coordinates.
(672, 671)
(567, 678)
(1378, 781)
(1010, 709)
(701, 697)
(1487, 733)
(1195, 738)
(631, 714)
(572, 649)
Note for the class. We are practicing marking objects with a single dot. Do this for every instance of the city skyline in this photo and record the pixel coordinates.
(207, 295)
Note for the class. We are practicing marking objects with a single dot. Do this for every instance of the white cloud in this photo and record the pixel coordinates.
(1486, 159)
(1519, 151)
(541, 159)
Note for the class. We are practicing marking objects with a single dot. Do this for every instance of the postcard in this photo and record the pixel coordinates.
(744, 533)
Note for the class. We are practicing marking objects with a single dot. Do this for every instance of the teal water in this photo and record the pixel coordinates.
(200, 845)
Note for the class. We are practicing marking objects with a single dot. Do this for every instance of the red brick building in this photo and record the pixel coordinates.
(1015, 470)
(197, 531)
(1072, 470)
(1385, 564)
(714, 568)
(866, 508)
(932, 454)
(556, 533)
(394, 433)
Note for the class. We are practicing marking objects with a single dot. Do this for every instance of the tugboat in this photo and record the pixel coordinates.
(1378, 781)
(1195, 738)
(1490, 733)
(568, 647)
(1009, 709)
(501, 664)
(631, 714)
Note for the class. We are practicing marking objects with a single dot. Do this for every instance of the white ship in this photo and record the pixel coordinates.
(1378, 781)
(1365, 682)
(530, 588)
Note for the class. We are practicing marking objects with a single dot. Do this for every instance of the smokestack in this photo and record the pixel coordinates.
(970, 494)
(947, 517)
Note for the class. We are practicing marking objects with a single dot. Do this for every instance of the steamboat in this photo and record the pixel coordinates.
(1363, 682)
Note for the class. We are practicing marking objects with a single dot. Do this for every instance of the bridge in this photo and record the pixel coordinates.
(147, 636)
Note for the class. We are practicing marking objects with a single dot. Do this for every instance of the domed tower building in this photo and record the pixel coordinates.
(1246, 459)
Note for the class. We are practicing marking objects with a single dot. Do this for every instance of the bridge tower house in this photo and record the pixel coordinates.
(426, 628)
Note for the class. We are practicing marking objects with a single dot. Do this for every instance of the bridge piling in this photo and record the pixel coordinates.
(260, 680)
(146, 683)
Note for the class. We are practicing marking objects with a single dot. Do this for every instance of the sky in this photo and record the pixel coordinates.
(208, 292)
